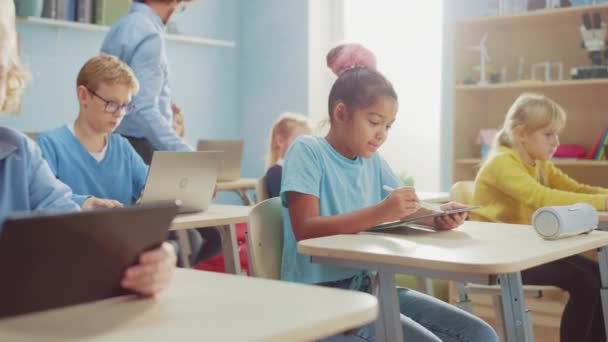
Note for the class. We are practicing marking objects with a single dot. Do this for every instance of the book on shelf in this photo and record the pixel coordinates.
(66, 10)
(107, 12)
(85, 11)
(594, 152)
(50, 9)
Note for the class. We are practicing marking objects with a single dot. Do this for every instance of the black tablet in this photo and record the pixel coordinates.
(54, 260)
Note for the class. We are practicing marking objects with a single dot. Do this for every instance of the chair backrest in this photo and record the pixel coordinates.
(462, 192)
(265, 239)
(261, 190)
(32, 135)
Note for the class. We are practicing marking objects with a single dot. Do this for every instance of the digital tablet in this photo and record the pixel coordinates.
(54, 260)
(410, 219)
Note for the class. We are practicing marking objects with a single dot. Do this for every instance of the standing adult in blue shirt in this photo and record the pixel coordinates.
(138, 40)
(26, 182)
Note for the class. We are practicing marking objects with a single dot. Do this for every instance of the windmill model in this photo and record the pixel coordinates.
(483, 51)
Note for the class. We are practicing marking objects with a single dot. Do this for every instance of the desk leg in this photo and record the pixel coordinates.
(244, 195)
(184, 247)
(518, 323)
(603, 261)
(463, 301)
(425, 285)
(230, 248)
(388, 324)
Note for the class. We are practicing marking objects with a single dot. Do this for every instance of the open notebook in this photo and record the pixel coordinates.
(410, 221)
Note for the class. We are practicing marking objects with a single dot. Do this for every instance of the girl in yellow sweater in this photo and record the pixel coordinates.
(519, 178)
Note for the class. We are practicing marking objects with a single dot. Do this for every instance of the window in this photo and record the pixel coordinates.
(407, 40)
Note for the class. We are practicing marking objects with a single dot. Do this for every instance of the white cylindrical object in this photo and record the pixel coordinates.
(562, 221)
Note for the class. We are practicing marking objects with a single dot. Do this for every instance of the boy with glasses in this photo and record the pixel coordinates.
(102, 168)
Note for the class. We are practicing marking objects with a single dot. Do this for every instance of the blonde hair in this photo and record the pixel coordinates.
(284, 127)
(16, 76)
(106, 69)
(531, 112)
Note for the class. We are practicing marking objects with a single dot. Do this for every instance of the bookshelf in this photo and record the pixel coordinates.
(537, 36)
(63, 24)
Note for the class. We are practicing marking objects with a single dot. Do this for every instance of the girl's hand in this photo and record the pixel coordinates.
(94, 202)
(400, 203)
(448, 222)
(153, 273)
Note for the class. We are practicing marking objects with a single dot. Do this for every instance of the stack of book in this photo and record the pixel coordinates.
(599, 150)
(102, 12)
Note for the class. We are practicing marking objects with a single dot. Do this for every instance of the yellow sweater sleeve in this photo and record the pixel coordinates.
(559, 180)
(513, 179)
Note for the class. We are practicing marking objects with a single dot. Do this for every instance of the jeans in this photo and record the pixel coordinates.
(425, 318)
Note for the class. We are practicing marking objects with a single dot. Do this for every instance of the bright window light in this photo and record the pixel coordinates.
(407, 40)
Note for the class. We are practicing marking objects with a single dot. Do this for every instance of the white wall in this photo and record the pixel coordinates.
(325, 30)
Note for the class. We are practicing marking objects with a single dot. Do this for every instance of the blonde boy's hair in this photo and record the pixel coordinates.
(284, 127)
(531, 112)
(15, 75)
(106, 69)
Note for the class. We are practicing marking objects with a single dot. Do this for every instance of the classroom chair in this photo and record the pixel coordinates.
(261, 190)
(32, 135)
(265, 239)
(547, 312)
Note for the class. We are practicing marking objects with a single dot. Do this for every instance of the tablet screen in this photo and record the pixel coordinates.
(419, 218)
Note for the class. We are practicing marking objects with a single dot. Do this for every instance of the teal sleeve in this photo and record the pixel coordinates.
(301, 171)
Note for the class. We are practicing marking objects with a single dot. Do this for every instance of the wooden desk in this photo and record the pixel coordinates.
(241, 187)
(222, 216)
(476, 252)
(203, 306)
(434, 197)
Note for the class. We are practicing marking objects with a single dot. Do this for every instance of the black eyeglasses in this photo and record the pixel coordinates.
(112, 107)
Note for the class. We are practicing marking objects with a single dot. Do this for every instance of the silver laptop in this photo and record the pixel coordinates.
(233, 152)
(185, 177)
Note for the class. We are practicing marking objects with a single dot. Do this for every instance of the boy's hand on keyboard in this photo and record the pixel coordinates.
(94, 202)
(399, 204)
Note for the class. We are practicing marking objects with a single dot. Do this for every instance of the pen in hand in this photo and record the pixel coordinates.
(423, 204)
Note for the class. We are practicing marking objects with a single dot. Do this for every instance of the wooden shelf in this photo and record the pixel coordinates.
(532, 37)
(558, 162)
(557, 14)
(534, 85)
(101, 28)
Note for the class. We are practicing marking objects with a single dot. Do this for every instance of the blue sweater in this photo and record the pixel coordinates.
(26, 183)
(120, 175)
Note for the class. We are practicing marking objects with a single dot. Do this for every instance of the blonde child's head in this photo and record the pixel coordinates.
(105, 86)
(532, 126)
(284, 131)
(109, 70)
(13, 75)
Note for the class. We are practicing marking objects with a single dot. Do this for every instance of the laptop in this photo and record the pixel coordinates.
(52, 260)
(185, 177)
(233, 153)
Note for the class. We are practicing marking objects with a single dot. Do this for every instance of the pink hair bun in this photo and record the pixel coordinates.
(347, 56)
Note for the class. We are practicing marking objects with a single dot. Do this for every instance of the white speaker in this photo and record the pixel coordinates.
(562, 221)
